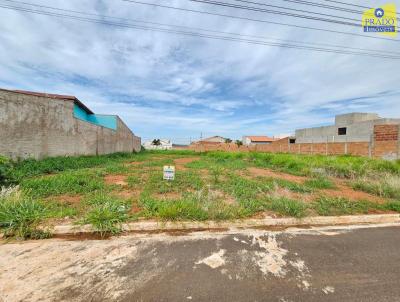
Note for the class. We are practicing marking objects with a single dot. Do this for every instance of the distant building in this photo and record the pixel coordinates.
(212, 139)
(257, 140)
(351, 127)
(38, 125)
(165, 144)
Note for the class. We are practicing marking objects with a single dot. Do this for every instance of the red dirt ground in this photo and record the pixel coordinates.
(168, 196)
(115, 180)
(181, 162)
(269, 173)
(69, 199)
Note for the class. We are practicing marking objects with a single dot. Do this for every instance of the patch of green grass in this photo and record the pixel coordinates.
(106, 213)
(319, 183)
(343, 166)
(70, 182)
(292, 186)
(288, 207)
(20, 216)
(387, 186)
(195, 207)
(244, 189)
(393, 206)
(32, 167)
(133, 180)
(334, 206)
(184, 181)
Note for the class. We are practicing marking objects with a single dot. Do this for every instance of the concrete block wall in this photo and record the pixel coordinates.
(38, 127)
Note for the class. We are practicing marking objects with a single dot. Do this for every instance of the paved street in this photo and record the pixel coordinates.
(321, 264)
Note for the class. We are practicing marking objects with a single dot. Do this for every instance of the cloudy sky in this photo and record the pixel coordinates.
(174, 86)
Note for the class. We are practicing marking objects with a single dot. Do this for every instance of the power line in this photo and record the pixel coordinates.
(255, 42)
(294, 9)
(200, 29)
(268, 11)
(315, 4)
(259, 20)
(355, 5)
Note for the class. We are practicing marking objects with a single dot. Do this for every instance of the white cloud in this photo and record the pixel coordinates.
(173, 86)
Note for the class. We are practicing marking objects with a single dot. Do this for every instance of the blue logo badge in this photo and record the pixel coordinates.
(379, 12)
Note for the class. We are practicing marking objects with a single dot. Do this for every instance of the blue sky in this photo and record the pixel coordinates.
(171, 86)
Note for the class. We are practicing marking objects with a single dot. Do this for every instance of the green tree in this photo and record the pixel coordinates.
(156, 142)
(239, 143)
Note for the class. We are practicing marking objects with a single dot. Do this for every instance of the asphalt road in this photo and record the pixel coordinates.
(323, 264)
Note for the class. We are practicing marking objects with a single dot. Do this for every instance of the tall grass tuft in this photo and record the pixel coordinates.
(20, 215)
(386, 186)
(106, 213)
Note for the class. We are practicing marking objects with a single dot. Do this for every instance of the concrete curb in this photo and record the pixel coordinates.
(268, 222)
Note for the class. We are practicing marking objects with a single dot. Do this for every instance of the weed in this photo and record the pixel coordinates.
(319, 183)
(6, 167)
(327, 206)
(216, 173)
(70, 182)
(20, 216)
(289, 207)
(393, 206)
(106, 213)
(133, 180)
(32, 167)
(386, 186)
(292, 186)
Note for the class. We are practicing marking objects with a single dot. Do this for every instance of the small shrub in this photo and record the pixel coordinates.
(20, 216)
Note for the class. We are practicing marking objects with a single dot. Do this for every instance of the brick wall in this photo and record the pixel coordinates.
(386, 144)
(386, 141)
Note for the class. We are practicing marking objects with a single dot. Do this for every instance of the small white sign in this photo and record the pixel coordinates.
(169, 172)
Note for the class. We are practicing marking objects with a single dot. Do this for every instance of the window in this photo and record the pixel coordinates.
(342, 131)
(292, 141)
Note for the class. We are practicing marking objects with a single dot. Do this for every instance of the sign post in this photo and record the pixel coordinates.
(169, 173)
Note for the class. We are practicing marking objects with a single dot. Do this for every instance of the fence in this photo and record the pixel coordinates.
(384, 143)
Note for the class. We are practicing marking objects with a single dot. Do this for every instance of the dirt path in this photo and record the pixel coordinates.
(270, 173)
(181, 162)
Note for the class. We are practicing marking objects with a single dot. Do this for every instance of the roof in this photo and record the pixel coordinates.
(261, 138)
(54, 96)
(211, 137)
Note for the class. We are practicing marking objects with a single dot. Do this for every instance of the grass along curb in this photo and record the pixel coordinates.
(159, 226)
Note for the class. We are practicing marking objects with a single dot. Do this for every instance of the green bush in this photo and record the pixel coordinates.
(5, 171)
(20, 216)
